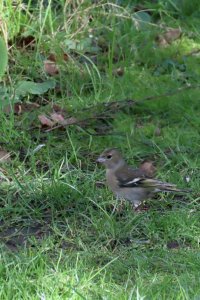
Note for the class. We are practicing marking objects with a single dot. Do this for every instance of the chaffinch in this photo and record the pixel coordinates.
(134, 185)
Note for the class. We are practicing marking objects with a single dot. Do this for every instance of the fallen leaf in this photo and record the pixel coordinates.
(148, 168)
(46, 121)
(172, 34)
(65, 57)
(58, 118)
(51, 63)
(53, 57)
(69, 121)
(50, 67)
(4, 156)
(169, 36)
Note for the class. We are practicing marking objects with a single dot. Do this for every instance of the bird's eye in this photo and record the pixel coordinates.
(108, 156)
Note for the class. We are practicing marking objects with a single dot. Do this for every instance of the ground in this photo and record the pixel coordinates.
(99, 75)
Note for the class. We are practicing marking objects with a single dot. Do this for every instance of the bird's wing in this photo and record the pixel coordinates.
(128, 177)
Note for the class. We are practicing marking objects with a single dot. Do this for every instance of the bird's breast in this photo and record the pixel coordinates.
(112, 181)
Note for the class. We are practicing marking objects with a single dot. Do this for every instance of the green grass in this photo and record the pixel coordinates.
(62, 236)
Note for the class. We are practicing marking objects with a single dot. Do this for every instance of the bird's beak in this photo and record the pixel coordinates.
(100, 160)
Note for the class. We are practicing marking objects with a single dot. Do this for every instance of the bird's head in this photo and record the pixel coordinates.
(111, 158)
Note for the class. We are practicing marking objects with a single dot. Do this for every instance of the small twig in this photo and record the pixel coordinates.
(132, 102)
(78, 122)
(168, 94)
(102, 134)
(119, 105)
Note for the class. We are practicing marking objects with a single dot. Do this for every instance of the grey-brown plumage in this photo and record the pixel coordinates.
(134, 185)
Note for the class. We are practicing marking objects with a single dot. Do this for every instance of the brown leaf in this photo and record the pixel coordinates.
(51, 64)
(169, 36)
(50, 67)
(57, 118)
(172, 34)
(53, 57)
(65, 57)
(70, 121)
(148, 168)
(46, 121)
(4, 156)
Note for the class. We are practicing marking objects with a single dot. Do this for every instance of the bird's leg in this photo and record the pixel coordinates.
(139, 206)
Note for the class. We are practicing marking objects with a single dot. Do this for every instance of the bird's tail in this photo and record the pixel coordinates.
(164, 186)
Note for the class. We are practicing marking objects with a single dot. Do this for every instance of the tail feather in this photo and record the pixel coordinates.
(163, 186)
(175, 190)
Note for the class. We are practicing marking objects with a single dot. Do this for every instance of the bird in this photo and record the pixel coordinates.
(135, 185)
